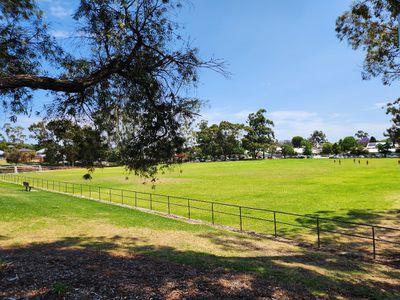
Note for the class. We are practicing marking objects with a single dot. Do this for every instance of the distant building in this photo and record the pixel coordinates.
(1, 154)
(25, 150)
(317, 150)
(41, 153)
(298, 151)
(372, 148)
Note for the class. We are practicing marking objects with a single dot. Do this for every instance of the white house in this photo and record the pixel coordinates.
(41, 153)
(372, 148)
(298, 151)
(317, 150)
(1, 154)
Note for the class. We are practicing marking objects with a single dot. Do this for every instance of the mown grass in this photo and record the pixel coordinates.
(39, 217)
(350, 191)
(300, 186)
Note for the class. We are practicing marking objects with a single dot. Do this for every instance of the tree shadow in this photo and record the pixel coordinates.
(339, 232)
(91, 270)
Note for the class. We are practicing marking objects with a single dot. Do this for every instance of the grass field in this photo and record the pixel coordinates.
(65, 226)
(350, 191)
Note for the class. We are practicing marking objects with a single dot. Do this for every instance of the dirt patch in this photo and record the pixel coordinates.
(56, 270)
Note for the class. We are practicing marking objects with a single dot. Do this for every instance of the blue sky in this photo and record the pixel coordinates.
(283, 55)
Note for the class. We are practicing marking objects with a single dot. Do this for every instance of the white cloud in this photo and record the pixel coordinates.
(303, 123)
(60, 34)
(380, 105)
(60, 11)
(284, 117)
(243, 114)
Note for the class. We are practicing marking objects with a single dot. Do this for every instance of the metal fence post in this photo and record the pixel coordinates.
(81, 190)
(319, 241)
(90, 191)
(275, 233)
(240, 216)
(109, 190)
(169, 205)
(188, 205)
(122, 196)
(99, 193)
(135, 199)
(212, 213)
(73, 188)
(373, 242)
(151, 201)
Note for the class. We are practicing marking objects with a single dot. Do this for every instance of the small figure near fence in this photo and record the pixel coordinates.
(27, 186)
(367, 162)
(340, 162)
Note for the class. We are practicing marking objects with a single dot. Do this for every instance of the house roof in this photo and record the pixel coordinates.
(25, 150)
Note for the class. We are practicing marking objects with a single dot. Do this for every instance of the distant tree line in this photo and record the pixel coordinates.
(64, 141)
(226, 139)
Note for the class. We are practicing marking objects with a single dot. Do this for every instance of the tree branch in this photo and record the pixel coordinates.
(66, 85)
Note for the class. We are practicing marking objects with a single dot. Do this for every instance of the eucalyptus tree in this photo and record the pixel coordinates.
(393, 132)
(317, 138)
(373, 26)
(260, 135)
(132, 82)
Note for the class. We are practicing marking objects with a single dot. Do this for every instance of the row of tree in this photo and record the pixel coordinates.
(227, 139)
(66, 141)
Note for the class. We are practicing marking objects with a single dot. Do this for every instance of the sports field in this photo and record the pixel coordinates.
(63, 246)
(352, 191)
(349, 191)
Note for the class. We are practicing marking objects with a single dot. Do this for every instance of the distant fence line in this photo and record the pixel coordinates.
(367, 234)
(31, 168)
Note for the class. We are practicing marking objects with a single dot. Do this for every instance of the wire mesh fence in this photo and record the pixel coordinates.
(335, 234)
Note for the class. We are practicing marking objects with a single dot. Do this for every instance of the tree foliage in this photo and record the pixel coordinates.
(371, 25)
(15, 156)
(317, 138)
(360, 134)
(393, 109)
(307, 147)
(384, 148)
(65, 140)
(219, 140)
(297, 141)
(14, 134)
(327, 148)
(287, 150)
(131, 82)
(348, 144)
(260, 136)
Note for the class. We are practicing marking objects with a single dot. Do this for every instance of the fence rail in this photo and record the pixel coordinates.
(346, 235)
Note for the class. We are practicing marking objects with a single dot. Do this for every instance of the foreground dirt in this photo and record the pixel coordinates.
(55, 272)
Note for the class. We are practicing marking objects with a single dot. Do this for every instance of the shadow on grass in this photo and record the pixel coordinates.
(147, 271)
(337, 232)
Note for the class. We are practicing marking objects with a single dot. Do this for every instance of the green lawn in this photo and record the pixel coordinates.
(64, 223)
(300, 186)
(349, 191)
